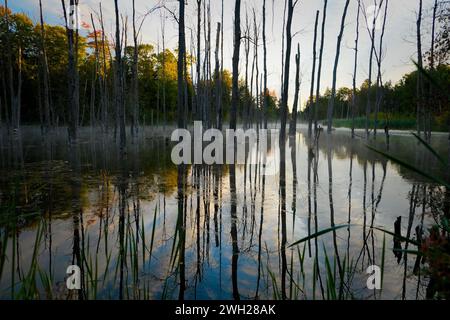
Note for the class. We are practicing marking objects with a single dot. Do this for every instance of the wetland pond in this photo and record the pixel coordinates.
(123, 219)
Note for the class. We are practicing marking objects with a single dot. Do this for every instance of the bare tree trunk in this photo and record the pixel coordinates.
(336, 63)
(246, 108)
(9, 64)
(218, 80)
(433, 34)
(135, 84)
(163, 38)
(45, 73)
(256, 36)
(419, 111)
(379, 92)
(181, 66)
(287, 64)
(120, 106)
(96, 74)
(249, 114)
(237, 46)
(293, 124)
(283, 41)
(431, 95)
(265, 92)
(181, 100)
(19, 87)
(73, 84)
(355, 68)
(221, 71)
(209, 76)
(15, 94)
(104, 82)
(313, 75)
(284, 112)
(198, 63)
(369, 87)
(319, 71)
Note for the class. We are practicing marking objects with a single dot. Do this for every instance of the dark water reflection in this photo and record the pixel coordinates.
(141, 228)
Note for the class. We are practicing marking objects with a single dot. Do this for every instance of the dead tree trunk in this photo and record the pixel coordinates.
(319, 71)
(257, 96)
(120, 106)
(293, 124)
(181, 66)
(369, 86)
(45, 73)
(265, 92)
(104, 81)
(73, 83)
(419, 111)
(379, 92)
(313, 75)
(221, 70)
(287, 64)
(9, 64)
(237, 46)
(135, 81)
(431, 94)
(218, 81)
(247, 98)
(19, 87)
(198, 62)
(336, 63)
(355, 68)
(96, 75)
(163, 38)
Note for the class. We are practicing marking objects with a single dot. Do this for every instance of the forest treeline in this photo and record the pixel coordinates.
(35, 75)
(22, 78)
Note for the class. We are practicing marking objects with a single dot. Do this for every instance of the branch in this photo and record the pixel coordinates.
(172, 13)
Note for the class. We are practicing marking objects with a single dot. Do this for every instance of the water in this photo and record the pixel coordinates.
(136, 235)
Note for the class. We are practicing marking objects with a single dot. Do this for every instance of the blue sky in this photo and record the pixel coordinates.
(399, 41)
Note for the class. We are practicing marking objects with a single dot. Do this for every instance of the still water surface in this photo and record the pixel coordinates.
(136, 235)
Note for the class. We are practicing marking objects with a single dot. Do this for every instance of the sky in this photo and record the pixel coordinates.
(398, 49)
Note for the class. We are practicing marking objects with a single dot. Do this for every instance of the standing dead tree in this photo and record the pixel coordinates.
(247, 98)
(95, 73)
(419, 108)
(319, 71)
(135, 77)
(236, 50)
(379, 57)
(336, 63)
(430, 99)
(265, 92)
(135, 81)
(104, 97)
(221, 71)
(355, 68)
(284, 112)
(313, 74)
(372, 52)
(45, 73)
(257, 96)
(293, 123)
(218, 80)
(15, 93)
(287, 64)
(120, 105)
(181, 66)
(72, 70)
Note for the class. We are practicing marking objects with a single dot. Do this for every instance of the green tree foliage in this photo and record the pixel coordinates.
(397, 100)
(157, 72)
